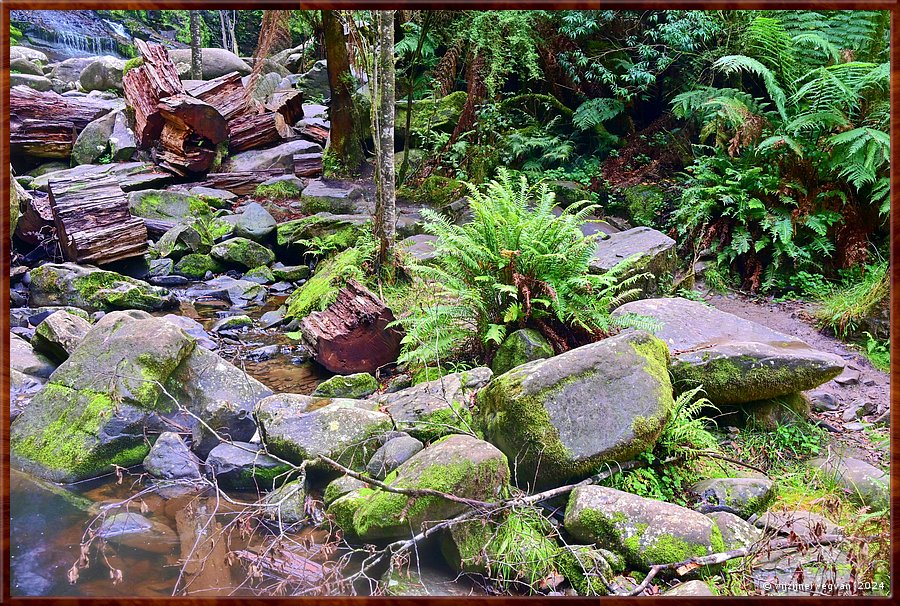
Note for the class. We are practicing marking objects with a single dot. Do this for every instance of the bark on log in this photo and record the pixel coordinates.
(29, 104)
(94, 223)
(189, 135)
(316, 133)
(250, 130)
(308, 165)
(289, 104)
(240, 183)
(146, 86)
(225, 93)
(41, 139)
(352, 335)
(36, 223)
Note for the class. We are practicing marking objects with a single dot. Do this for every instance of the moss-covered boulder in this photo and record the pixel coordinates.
(93, 140)
(341, 486)
(167, 205)
(393, 454)
(429, 115)
(585, 567)
(196, 265)
(736, 532)
(772, 413)
(321, 289)
(520, 346)
(94, 289)
(290, 273)
(644, 203)
(303, 427)
(59, 334)
(646, 250)
(458, 464)
(17, 198)
(232, 323)
(866, 484)
(746, 496)
(357, 385)
(242, 465)
(644, 531)
(92, 414)
(330, 196)
(519, 549)
(260, 275)
(337, 231)
(438, 407)
(736, 360)
(243, 252)
(560, 419)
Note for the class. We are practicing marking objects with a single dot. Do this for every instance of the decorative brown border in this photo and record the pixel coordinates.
(7, 5)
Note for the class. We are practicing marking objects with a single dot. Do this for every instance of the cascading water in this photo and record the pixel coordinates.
(118, 28)
(64, 34)
(77, 45)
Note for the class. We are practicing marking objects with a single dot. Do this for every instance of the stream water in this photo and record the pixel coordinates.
(48, 522)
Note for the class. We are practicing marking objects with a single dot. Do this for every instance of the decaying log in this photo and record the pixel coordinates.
(308, 165)
(240, 183)
(93, 221)
(315, 130)
(250, 130)
(352, 335)
(289, 104)
(36, 222)
(41, 139)
(189, 135)
(28, 104)
(146, 86)
(201, 118)
(284, 565)
(225, 93)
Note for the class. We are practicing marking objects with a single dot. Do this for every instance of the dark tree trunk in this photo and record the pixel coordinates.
(345, 147)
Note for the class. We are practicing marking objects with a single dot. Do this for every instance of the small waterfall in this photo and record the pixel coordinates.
(118, 28)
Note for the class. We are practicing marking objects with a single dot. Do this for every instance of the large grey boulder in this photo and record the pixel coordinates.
(253, 222)
(644, 531)
(436, 408)
(38, 83)
(735, 360)
(243, 465)
(314, 83)
(394, 453)
(168, 205)
(93, 141)
(70, 70)
(649, 251)
(746, 496)
(122, 142)
(562, 417)
(216, 61)
(30, 54)
(736, 532)
(243, 252)
(330, 196)
(103, 74)
(458, 464)
(170, 459)
(865, 483)
(301, 427)
(24, 359)
(59, 334)
(280, 156)
(130, 370)
(24, 66)
(94, 289)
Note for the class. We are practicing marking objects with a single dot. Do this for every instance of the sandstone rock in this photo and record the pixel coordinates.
(170, 459)
(59, 334)
(649, 251)
(93, 289)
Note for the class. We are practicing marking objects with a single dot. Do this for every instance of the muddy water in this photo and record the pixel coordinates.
(48, 522)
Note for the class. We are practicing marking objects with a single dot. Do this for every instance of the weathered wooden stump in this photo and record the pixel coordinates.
(352, 335)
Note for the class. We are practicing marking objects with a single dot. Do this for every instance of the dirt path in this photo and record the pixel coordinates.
(854, 402)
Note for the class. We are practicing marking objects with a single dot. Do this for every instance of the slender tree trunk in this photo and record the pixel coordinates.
(196, 52)
(224, 33)
(345, 148)
(383, 129)
(409, 99)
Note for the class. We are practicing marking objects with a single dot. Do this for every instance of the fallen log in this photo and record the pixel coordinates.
(28, 104)
(41, 139)
(351, 335)
(225, 93)
(36, 221)
(315, 130)
(93, 221)
(284, 565)
(189, 135)
(145, 86)
(250, 130)
(240, 183)
(308, 165)
(289, 104)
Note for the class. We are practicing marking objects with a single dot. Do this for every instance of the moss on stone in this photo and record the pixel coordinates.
(195, 266)
(356, 385)
(644, 204)
(322, 288)
(131, 64)
(280, 190)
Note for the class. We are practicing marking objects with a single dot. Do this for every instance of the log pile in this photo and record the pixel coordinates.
(93, 221)
(240, 183)
(352, 335)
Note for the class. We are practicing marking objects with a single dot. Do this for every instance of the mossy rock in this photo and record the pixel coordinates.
(291, 273)
(321, 289)
(167, 205)
(243, 252)
(357, 385)
(458, 464)
(645, 204)
(241, 465)
(322, 230)
(91, 414)
(519, 347)
(562, 418)
(94, 289)
(339, 487)
(261, 274)
(290, 499)
(773, 413)
(437, 115)
(59, 334)
(747, 496)
(584, 566)
(303, 427)
(644, 531)
(196, 265)
(436, 408)
(436, 191)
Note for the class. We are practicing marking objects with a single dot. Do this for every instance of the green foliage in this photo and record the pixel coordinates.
(860, 297)
(280, 190)
(878, 352)
(782, 447)
(516, 264)
(686, 433)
